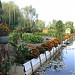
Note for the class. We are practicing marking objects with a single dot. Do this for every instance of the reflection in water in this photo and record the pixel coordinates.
(57, 62)
(62, 64)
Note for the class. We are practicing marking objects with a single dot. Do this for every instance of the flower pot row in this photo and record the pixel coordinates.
(36, 62)
(33, 64)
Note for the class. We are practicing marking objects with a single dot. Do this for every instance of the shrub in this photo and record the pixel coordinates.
(55, 43)
(27, 37)
(4, 30)
(34, 52)
(21, 54)
(14, 37)
(24, 53)
(5, 67)
(36, 39)
(67, 36)
(48, 45)
(58, 40)
(41, 49)
(30, 38)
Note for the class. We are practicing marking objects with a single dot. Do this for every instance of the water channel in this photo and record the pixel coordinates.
(62, 64)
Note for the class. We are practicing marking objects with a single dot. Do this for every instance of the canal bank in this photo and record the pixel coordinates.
(61, 64)
(31, 66)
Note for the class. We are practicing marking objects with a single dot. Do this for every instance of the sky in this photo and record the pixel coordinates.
(50, 9)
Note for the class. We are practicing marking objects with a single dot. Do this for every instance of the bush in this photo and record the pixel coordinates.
(36, 39)
(5, 67)
(4, 30)
(30, 38)
(56, 41)
(34, 52)
(48, 45)
(21, 54)
(67, 36)
(14, 37)
(24, 53)
(41, 49)
(27, 37)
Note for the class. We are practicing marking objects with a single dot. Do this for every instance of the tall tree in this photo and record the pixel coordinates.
(53, 24)
(1, 13)
(12, 13)
(30, 18)
(60, 29)
(52, 28)
(69, 24)
(40, 24)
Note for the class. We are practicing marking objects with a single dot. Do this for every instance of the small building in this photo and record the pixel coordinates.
(68, 31)
(45, 30)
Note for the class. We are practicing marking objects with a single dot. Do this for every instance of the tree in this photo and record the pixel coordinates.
(53, 25)
(52, 28)
(30, 18)
(40, 24)
(60, 29)
(12, 13)
(1, 13)
(69, 24)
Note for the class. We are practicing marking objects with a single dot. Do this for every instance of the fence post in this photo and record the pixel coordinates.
(24, 70)
(40, 61)
(45, 56)
(53, 50)
(31, 66)
(50, 54)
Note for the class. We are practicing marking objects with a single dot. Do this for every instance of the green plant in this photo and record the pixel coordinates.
(36, 39)
(4, 30)
(22, 53)
(41, 49)
(14, 37)
(48, 45)
(30, 38)
(5, 67)
(27, 37)
(33, 52)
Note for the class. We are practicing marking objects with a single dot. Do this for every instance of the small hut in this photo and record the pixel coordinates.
(45, 30)
(68, 31)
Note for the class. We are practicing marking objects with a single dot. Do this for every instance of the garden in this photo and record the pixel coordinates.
(23, 39)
